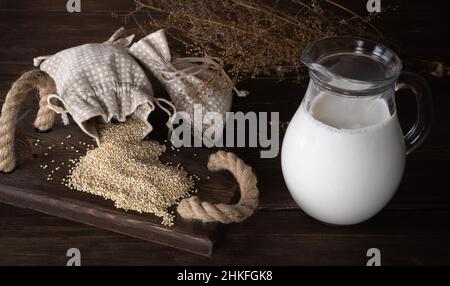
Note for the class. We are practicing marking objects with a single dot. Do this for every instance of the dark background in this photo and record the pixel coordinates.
(412, 230)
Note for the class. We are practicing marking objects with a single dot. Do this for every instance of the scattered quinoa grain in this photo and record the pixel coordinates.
(127, 170)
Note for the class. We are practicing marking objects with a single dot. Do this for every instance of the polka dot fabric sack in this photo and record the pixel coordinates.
(99, 82)
(193, 84)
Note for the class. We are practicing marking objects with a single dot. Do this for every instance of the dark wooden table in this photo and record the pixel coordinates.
(413, 229)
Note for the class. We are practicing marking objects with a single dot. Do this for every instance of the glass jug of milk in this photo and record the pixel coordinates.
(344, 152)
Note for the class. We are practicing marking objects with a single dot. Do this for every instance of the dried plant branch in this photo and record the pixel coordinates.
(355, 16)
(249, 38)
(273, 13)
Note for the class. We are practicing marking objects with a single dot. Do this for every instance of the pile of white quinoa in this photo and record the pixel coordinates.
(127, 170)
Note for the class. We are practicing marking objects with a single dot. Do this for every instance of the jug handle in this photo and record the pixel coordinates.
(422, 127)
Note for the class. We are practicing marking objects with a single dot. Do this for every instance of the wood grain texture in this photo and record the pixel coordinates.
(412, 230)
(28, 187)
(59, 6)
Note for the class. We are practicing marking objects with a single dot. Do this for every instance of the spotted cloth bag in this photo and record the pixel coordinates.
(191, 82)
(99, 82)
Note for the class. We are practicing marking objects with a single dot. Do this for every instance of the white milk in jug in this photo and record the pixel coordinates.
(343, 159)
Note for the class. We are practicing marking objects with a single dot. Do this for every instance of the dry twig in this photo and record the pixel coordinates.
(250, 38)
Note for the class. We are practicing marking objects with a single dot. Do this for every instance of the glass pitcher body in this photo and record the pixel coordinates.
(344, 151)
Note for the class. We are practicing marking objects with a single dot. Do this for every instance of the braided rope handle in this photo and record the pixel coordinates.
(193, 209)
(11, 110)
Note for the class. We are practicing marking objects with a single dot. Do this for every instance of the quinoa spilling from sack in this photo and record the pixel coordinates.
(127, 170)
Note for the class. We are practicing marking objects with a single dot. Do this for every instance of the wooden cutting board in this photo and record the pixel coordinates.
(28, 187)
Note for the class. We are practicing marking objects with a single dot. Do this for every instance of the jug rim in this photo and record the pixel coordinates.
(361, 47)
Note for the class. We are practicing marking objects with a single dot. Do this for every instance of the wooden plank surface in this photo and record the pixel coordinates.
(412, 230)
(269, 238)
(28, 187)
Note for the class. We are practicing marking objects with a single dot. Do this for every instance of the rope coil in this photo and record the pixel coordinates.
(11, 110)
(194, 209)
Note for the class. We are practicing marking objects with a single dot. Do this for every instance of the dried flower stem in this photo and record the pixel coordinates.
(276, 14)
(249, 38)
(356, 16)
